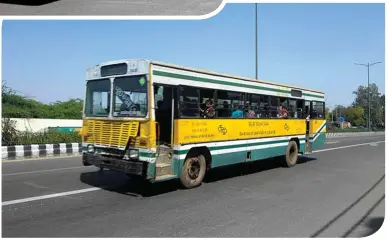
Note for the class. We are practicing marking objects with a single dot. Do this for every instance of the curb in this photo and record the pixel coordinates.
(354, 134)
(19, 152)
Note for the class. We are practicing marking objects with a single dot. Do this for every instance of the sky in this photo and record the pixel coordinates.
(307, 45)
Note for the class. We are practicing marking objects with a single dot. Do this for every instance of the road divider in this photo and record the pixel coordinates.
(21, 152)
(40, 151)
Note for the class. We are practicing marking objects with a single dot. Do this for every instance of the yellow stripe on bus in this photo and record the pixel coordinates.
(209, 130)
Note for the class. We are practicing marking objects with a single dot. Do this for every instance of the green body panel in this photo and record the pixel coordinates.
(228, 159)
(302, 148)
(236, 157)
(151, 170)
(177, 166)
(268, 152)
(319, 142)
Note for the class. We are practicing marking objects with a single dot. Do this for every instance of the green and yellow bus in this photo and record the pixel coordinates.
(161, 121)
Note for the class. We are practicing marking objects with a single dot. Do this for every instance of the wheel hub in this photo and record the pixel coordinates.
(194, 168)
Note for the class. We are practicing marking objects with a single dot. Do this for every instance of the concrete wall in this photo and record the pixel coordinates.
(39, 124)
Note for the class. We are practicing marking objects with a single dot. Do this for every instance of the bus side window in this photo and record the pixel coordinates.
(223, 105)
(206, 103)
(284, 104)
(299, 109)
(228, 103)
(237, 104)
(189, 102)
(252, 106)
(274, 106)
(292, 108)
(263, 109)
(318, 110)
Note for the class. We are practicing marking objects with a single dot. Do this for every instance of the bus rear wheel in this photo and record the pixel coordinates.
(291, 157)
(193, 171)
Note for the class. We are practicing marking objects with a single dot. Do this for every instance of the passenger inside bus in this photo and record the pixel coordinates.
(237, 113)
(283, 113)
(263, 110)
(209, 111)
(249, 113)
(273, 112)
(223, 112)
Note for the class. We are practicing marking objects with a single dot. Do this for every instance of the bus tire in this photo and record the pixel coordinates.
(193, 171)
(291, 154)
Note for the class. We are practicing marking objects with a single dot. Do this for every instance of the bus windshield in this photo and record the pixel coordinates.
(97, 102)
(130, 96)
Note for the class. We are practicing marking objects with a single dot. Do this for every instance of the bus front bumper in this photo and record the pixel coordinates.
(127, 166)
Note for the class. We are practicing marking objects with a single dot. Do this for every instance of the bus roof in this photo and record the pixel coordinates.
(229, 76)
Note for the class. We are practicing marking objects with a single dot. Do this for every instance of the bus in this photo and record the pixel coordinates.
(160, 121)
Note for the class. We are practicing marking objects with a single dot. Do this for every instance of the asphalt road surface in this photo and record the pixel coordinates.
(112, 7)
(337, 192)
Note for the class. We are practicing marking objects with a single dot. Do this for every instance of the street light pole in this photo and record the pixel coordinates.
(368, 65)
(257, 74)
(368, 100)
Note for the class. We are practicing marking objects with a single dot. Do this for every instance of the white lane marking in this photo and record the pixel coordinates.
(23, 200)
(349, 146)
(40, 159)
(39, 171)
(331, 142)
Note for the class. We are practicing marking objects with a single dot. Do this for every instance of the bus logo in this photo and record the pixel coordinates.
(286, 127)
(222, 129)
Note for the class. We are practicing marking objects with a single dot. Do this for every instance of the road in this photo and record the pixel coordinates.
(112, 7)
(336, 192)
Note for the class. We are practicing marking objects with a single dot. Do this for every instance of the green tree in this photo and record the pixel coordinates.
(382, 102)
(17, 106)
(338, 111)
(328, 114)
(71, 109)
(355, 115)
(375, 103)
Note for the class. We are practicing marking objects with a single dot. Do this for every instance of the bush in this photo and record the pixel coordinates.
(10, 136)
(49, 137)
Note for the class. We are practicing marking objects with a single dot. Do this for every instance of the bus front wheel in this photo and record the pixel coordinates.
(193, 171)
(291, 154)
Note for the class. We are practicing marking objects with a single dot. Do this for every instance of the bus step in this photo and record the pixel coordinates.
(165, 177)
(163, 159)
(164, 155)
(163, 169)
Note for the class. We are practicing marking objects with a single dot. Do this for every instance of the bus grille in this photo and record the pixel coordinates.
(111, 133)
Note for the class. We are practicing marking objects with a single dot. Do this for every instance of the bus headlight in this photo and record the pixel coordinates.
(133, 153)
(90, 149)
